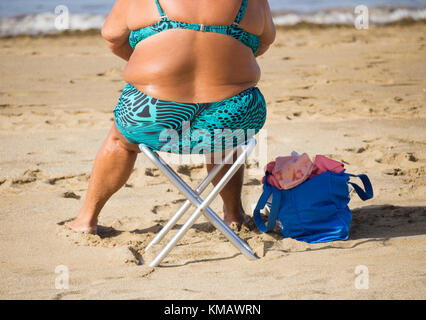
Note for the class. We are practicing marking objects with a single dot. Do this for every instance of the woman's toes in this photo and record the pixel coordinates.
(249, 223)
(83, 228)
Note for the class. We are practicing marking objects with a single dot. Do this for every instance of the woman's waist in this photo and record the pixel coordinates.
(191, 78)
(192, 92)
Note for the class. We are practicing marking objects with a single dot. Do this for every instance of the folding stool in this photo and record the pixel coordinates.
(201, 205)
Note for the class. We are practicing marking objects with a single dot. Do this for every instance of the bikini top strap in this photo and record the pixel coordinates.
(160, 10)
(241, 12)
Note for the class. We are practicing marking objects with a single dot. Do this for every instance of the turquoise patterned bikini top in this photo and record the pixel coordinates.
(233, 30)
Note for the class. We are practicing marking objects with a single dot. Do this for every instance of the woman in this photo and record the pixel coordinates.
(188, 61)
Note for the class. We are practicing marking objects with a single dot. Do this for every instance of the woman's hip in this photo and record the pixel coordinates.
(144, 119)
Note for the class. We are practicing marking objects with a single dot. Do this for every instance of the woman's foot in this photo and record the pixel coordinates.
(82, 226)
(237, 219)
(233, 216)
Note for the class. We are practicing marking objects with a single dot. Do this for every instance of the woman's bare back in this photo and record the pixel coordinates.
(192, 66)
(187, 65)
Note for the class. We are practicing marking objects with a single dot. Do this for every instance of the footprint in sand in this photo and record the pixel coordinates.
(66, 294)
(188, 170)
(71, 195)
(152, 172)
(400, 159)
(28, 177)
(69, 181)
(358, 150)
(157, 209)
(416, 173)
(252, 182)
(126, 245)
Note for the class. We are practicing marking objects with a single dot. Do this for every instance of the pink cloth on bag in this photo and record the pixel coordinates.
(288, 172)
(271, 179)
(323, 164)
(293, 170)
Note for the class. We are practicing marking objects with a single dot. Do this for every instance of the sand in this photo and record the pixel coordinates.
(355, 96)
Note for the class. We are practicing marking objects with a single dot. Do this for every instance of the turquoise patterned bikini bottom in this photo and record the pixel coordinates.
(189, 127)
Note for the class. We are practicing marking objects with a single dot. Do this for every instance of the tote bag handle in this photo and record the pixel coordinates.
(273, 215)
(368, 193)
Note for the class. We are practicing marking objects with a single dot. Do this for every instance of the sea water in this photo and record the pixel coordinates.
(38, 16)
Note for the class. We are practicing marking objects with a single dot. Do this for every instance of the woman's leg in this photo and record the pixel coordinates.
(233, 211)
(113, 165)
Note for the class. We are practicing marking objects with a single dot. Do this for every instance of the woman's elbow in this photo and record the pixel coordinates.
(112, 36)
(108, 33)
(261, 50)
(270, 36)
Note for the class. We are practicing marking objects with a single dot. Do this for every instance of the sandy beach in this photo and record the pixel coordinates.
(357, 96)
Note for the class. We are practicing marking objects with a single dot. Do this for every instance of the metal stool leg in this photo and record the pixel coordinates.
(203, 185)
(202, 206)
(175, 218)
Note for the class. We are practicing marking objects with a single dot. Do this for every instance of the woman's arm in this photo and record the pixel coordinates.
(268, 35)
(116, 32)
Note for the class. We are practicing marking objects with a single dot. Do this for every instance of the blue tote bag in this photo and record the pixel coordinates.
(315, 210)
